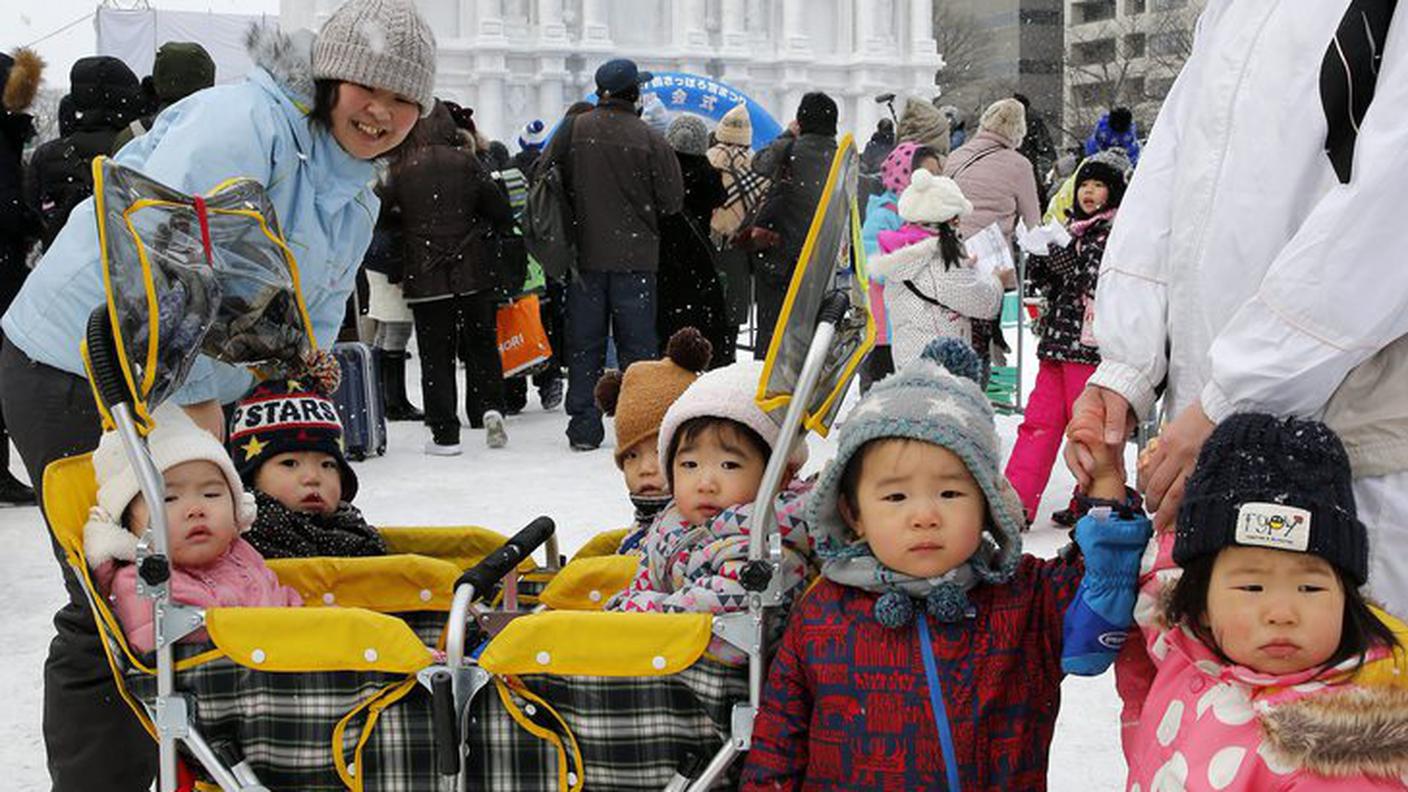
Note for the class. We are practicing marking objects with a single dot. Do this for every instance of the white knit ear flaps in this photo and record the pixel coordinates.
(105, 540)
(246, 510)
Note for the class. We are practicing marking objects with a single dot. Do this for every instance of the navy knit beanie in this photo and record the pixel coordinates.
(1280, 483)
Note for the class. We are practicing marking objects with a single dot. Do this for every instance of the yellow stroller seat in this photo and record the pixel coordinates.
(302, 696)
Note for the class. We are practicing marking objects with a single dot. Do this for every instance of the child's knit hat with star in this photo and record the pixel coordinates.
(935, 399)
(280, 416)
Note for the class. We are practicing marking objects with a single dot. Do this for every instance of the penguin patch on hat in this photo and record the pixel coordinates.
(1273, 525)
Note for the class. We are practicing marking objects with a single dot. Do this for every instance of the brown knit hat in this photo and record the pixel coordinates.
(639, 399)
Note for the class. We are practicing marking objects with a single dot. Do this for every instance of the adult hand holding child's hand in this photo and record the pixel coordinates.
(1165, 465)
(1110, 417)
(1105, 464)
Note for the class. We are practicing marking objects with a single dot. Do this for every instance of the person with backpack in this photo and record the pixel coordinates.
(106, 97)
(622, 177)
(797, 163)
(180, 69)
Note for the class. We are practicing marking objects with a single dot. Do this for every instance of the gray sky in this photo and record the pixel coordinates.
(23, 22)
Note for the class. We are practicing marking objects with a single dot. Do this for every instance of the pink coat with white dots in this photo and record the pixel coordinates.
(1192, 722)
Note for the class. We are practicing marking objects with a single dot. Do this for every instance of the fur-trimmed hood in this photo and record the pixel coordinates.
(20, 74)
(287, 57)
(1358, 730)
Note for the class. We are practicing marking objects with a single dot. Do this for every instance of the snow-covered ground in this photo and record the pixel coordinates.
(504, 489)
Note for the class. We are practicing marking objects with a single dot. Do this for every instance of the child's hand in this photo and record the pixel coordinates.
(1107, 471)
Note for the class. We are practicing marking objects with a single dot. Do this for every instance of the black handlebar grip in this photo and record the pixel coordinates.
(446, 725)
(834, 307)
(486, 573)
(102, 355)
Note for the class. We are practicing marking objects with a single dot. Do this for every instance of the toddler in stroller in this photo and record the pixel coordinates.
(286, 440)
(207, 510)
(714, 443)
(637, 401)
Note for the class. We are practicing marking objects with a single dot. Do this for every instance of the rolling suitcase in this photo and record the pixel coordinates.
(359, 401)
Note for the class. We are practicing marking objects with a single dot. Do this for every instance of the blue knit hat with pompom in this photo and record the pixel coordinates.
(935, 399)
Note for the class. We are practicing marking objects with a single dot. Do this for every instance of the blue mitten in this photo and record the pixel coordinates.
(1099, 618)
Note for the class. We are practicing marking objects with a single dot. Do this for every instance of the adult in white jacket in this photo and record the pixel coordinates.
(1257, 261)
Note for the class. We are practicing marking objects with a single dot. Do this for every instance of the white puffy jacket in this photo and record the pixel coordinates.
(926, 300)
(1240, 267)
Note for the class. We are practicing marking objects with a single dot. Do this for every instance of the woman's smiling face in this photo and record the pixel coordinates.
(368, 122)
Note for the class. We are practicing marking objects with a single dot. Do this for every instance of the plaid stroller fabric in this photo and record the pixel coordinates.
(286, 724)
(632, 732)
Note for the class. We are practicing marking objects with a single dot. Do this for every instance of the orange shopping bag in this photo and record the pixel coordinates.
(523, 343)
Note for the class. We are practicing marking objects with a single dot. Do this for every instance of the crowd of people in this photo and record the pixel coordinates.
(1271, 572)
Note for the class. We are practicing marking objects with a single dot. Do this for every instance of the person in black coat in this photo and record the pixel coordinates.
(797, 163)
(20, 75)
(106, 98)
(690, 294)
(447, 201)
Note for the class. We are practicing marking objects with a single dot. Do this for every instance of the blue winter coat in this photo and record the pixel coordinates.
(257, 129)
(881, 214)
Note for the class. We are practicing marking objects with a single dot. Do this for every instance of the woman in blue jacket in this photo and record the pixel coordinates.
(307, 124)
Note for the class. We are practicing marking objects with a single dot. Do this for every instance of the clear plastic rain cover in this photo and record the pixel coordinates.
(188, 275)
(832, 258)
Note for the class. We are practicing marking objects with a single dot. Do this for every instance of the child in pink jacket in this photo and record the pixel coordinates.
(1261, 667)
(206, 511)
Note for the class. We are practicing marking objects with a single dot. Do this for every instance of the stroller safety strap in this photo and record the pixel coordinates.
(583, 643)
(316, 639)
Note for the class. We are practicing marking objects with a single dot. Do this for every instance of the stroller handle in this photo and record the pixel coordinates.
(486, 573)
(102, 356)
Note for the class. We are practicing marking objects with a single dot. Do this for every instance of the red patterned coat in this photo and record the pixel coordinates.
(846, 704)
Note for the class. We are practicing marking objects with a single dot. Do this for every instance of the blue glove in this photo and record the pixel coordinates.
(1098, 620)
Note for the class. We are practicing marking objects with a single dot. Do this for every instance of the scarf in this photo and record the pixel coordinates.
(647, 506)
(1079, 227)
(281, 532)
(944, 597)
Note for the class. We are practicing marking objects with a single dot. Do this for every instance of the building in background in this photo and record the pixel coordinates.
(993, 48)
(514, 60)
(1123, 52)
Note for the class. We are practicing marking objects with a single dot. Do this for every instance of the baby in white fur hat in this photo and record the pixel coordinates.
(206, 511)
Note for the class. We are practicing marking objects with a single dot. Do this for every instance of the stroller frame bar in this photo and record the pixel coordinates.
(173, 621)
(748, 630)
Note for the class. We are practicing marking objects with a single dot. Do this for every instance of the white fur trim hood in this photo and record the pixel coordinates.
(287, 57)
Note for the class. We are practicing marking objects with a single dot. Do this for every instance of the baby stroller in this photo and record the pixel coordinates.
(359, 696)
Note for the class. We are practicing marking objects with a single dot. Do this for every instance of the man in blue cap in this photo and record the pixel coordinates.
(623, 177)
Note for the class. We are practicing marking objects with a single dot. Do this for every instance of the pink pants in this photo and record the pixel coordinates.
(1058, 383)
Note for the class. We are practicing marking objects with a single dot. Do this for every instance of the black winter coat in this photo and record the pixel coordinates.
(447, 201)
(688, 287)
(1067, 279)
(19, 225)
(798, 168)
(105, 97)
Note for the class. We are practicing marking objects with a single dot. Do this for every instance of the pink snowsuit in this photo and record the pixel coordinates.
(1193, 722)
(237, 579)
